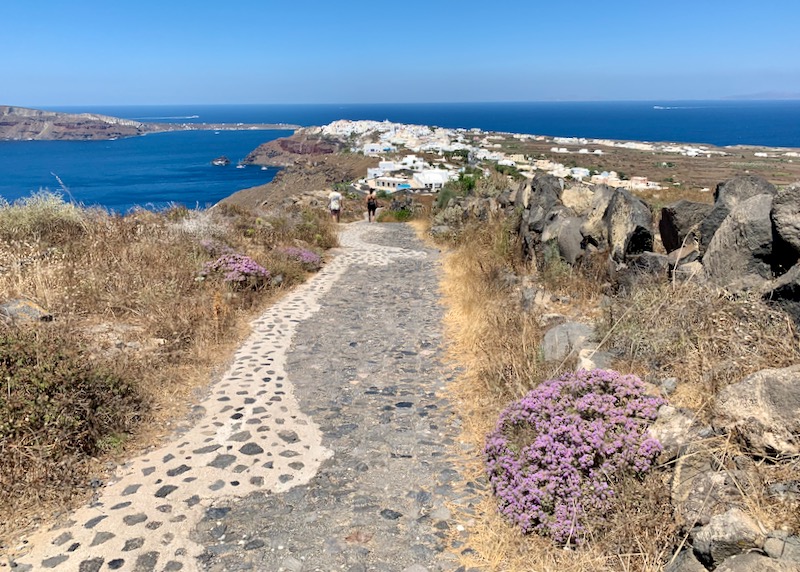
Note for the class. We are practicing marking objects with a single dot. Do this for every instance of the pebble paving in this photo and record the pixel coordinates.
(328, 445)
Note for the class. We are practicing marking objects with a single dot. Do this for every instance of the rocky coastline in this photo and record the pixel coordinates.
(24, 124)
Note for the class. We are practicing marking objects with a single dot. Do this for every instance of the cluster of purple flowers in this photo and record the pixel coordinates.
(238, 270)
(555, 454)
(215, 247)
(307, 258)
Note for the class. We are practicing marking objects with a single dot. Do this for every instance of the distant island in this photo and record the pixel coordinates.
(24, 124)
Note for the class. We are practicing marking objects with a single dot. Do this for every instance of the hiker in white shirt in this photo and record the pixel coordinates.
(335, 204)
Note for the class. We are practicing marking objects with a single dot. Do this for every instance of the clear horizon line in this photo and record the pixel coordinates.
(442, 102)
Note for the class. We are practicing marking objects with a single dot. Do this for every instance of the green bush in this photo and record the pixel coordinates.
(445, 194)
(56, 407)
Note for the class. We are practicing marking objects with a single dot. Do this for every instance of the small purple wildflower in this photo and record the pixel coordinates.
(555, 454)
(307, 258)
(238, 270)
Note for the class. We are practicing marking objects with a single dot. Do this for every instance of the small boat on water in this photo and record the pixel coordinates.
(221, 161)
(240, 166)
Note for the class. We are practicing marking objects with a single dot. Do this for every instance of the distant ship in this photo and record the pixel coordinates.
(221, 161)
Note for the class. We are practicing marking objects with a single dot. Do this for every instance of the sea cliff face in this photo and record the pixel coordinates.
(23, 124)
(288, 150)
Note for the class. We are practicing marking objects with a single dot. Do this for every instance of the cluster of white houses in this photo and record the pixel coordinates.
(412, 173)
(409, 174)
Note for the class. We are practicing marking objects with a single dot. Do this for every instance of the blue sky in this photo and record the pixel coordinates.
(88, 52)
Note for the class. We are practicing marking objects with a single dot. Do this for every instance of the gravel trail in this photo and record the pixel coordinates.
(329, 444)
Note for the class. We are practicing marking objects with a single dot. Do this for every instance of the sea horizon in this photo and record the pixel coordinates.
(157, 170)
(719, 122)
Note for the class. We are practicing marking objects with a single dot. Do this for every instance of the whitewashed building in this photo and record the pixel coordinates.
(432, 179)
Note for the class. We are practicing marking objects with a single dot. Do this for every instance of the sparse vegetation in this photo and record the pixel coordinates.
(134, 329)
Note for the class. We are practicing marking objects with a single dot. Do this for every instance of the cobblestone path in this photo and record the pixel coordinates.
(328, 445)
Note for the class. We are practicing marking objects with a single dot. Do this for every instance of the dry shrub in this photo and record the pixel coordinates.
(581, 284)
(127, 288)
(58, 408)
(309, 226)
(43, 216)
(705, 338)
(498, 341)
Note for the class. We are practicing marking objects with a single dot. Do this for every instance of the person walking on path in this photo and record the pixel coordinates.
(335, 204)
(372, 205)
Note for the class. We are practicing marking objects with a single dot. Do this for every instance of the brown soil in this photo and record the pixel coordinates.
(304, 173)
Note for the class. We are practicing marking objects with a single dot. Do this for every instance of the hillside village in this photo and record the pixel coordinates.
(456, 148)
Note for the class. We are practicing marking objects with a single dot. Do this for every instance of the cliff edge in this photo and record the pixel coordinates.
(24, 124)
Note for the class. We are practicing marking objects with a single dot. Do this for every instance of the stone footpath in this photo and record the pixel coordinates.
(328, 445)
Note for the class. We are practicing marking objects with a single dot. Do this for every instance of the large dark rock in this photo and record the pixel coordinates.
(738, 256)
(726, 535)
(685, 561)
(506, 198)
(545, 190)
(629, 224)
(786, 222)
(570, 240)
(727, 195)
(543, 196)
(702, 488)
(679, 220)
(565, 339)
(784, 292)
(755, 562)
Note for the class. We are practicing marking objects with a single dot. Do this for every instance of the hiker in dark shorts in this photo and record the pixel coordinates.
(372, 205)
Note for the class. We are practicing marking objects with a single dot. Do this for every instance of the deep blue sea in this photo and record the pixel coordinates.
(160, 169)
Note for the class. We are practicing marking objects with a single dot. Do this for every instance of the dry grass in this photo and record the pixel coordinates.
(707, 340)
(126, 298)
(701, 336)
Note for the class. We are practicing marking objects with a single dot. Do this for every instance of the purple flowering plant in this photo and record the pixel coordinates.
(556, 454)
(308, 258)
(237, 270)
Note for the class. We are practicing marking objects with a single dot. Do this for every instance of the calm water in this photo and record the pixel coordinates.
(160, 169)
(151, 171)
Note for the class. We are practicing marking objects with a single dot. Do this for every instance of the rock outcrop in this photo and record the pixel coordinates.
(23, 124)
(679, 221)
(289, 150)
(763, 412)
(739, 254)
(727, 195)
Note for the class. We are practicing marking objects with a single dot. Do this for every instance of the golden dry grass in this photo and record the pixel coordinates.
(705, 338)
